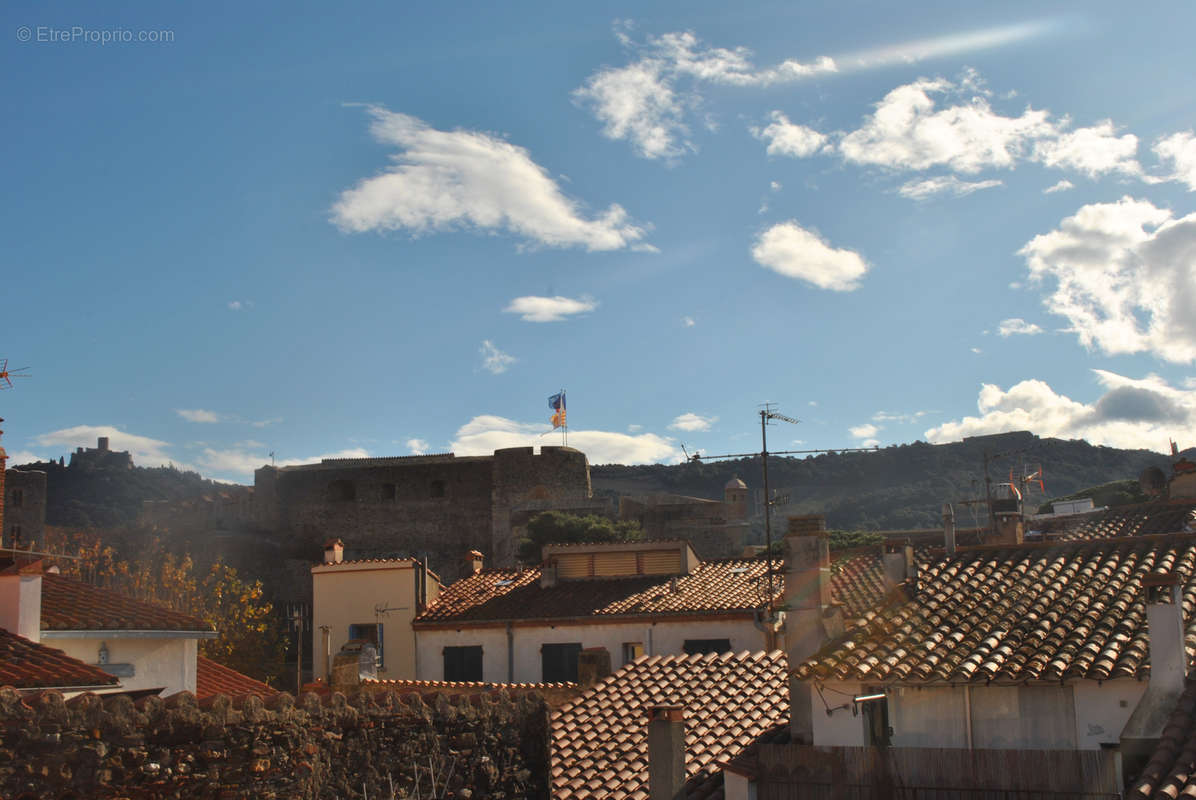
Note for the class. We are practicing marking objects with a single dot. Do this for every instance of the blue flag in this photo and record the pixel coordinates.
(557, 402)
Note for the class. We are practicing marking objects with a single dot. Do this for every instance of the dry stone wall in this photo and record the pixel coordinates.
(377, 745)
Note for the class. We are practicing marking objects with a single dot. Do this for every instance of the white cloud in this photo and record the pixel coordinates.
(774, 185)
(907, 132)
(418, 447)
(785, 138)
(446, 180)
(1125, 277)
(18, 457)
(793, 251)
(951, 44)
(977, 350)
(549, 309)
(1016, 326)
(1180, 150)
(1130, 413)
(494, 360)
(483, 435)
(643, 104)
(263, 423)
(241, 461)
(198, 415)
(1061, 186)
(896, 416)
(865, 431)
(870, 443)
(929, 187)
(634, 428)
(687, 322)
(146, 452)
(690, 421)
(236, 305)
(1095, 151)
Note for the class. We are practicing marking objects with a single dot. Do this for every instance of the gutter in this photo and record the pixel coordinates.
(128, 634)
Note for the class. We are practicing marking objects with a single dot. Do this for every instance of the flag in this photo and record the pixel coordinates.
(557, 404)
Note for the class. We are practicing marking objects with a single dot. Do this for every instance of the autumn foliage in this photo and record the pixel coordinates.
(249, 635)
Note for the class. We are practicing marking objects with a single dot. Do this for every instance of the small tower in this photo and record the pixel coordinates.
(735, 498)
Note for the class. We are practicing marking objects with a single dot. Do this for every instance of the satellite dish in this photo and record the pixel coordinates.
(1153, 481)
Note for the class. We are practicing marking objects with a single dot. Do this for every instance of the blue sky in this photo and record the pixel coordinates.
(397, 228)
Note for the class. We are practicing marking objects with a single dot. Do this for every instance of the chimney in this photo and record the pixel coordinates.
(593, 665)
(474, 561)
(1168, 671)
(21, 599)
(334, 551)
(949, 528)
(666, 753)
(548, 576)
(899, 564)
(809, 615)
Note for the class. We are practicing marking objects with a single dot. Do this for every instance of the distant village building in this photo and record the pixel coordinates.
(715, 528)
(23, 525)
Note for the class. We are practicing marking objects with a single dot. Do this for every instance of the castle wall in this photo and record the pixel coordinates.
(525, 484)
(24, 508)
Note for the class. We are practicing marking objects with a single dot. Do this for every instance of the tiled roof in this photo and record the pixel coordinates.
(68, 605)
(28, 665)
(858, 582)
(496, 594)
(1137, 520)
(599, 741)
(212, 679)
(1171, 770)
(1035, 612)
(431, 686)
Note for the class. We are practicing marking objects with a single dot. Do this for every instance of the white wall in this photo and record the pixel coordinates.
(157, 662)
(934, 716)
(21, 605)
(840, 728)
(659, 638)
(1103, 709)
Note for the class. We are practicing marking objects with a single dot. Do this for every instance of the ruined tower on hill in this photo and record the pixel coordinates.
(442, 505)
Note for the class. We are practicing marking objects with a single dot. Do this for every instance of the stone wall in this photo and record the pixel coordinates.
(379, 744)
(24, 497)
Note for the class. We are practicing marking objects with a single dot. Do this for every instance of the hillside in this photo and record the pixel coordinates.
(105, 498)
(902, 486)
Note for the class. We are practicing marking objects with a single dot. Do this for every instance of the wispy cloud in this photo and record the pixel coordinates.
(1062, 186)
(447, 180)
(945, 184)
(198, 415)
(690, 421)
(418, 446)
(549, 309)
(1016, 326)
(494, 361)
(687, 322)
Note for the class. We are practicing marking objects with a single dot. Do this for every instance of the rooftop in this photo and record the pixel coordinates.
(28, 665)
(496, 595)
(1137, 520)
(69, 605)
(1169, 771)
(212, 678)
(599, 740)
(1048, 611)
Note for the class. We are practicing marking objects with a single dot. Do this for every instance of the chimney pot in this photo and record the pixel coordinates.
(474, 561)
(334, 551)
(1164, 619)
(548, 575)
(666, 752)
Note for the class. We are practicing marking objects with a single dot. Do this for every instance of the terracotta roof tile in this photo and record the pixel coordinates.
(28, 665)
(68, 605)
(212, 678)
(1037, 612)
(729, 701)
(733, 585)
(404, 683)
(1138, 520)
(1169, 773)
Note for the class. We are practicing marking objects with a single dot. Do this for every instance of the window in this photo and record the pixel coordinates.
(695, 646)
(373, 635)
(342, 491)
(437, 489)
(388, 491)
(632, 651)
(558, 662)
(463, 663)
(18, 498)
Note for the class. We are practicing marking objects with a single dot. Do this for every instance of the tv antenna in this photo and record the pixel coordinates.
(6, 374)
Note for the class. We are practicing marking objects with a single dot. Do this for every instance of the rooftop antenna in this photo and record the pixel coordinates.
(768, 415)
(6, 374)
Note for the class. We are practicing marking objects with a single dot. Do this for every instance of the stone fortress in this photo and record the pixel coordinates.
(441, 506)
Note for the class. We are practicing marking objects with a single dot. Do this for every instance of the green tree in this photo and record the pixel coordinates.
(556, 527)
